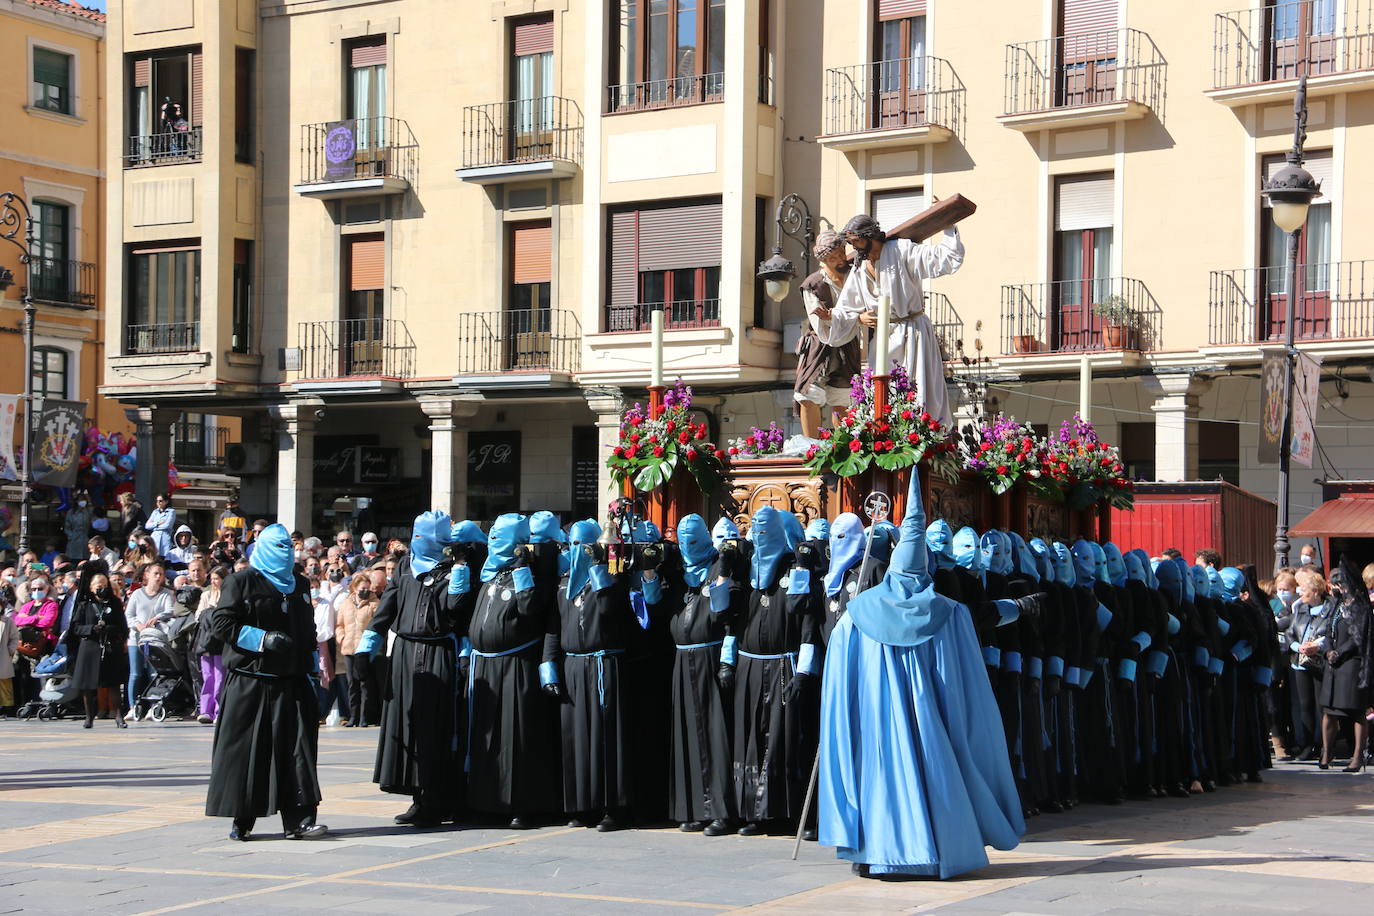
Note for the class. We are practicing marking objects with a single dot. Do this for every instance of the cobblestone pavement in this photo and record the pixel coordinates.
(111, 822)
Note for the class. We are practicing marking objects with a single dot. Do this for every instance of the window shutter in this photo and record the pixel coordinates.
(1318, 163)
(1084, 203)
(900, 9)
(686, 236)
(532, 256)
(534, 36)
(1082, 16)
(143, 71)
(368, 52)
(892, 208)
(622, 244)
(51, 68)
(367, 264)
(197, 87)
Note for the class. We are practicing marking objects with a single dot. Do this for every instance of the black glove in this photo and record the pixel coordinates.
(650, 556)
(276, 653)
(1124, 685)
(1150, 683)
(1030, 605)
(799, 685)
(554, 692)
(1052, 685)
(729, 549)
(725, 677)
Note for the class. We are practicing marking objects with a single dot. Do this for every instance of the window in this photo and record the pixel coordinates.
(241, 341)
(900, 48)
(1302, 38)
(668, 52)
(1138, 449)
(50, 375)
(52, 81)
(1086, 65)
(1083, 241)
(367, 93)
(666, 257)
(243, 104)
(364, 322)
(51, 270)
(1312, 311)
(164, 300)
(892, 208)
(761, 223)
(1218, 452)
(533, 81)
(165, 107)
(527, 317)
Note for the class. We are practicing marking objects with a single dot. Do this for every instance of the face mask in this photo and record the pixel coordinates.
(364, 594)
(370, 546)
(336, 575)
(81, 503)
(39, 594)
(314, 593)
(1287, 597)
(1306, 560)
(133, 545)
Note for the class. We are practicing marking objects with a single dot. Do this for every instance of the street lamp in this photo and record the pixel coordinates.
(15, 215)
(794, 221)
(1290, 193)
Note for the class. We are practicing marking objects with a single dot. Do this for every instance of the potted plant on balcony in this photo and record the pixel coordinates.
(1025, 343)
(1121, 323)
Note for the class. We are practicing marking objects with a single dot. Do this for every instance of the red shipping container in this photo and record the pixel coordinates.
(1197, 514)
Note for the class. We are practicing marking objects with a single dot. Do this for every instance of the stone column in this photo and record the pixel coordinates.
(607, 404)
(295, 438)
(1176, 429)
(153, 426)
(448, 428)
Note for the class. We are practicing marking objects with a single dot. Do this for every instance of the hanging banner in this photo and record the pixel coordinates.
(1307, 381)
(1271, 406)
(340, 145)
(57, 443)
(9, 407)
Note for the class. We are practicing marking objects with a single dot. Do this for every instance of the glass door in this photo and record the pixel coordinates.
(50, 270)
(900, 97)
(1083, 259)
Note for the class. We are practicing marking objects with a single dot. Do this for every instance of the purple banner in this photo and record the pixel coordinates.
(340, 146)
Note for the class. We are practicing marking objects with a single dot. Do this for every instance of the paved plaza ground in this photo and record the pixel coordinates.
(112, 822)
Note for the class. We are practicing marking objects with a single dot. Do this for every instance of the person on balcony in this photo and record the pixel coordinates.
(823, 371)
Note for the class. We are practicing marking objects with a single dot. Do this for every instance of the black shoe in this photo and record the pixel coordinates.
(423, 819)
(241, 833)
(717, 827)
(88, 723)
(1178, 791)
(577, 821)
(408, 815)
(308, 832)
(809, 834)
(692, 826)
(1307, 755)
(607, 824)
(519, 823)
(1323, 765)
(1050, 807)
(750, 829)
(1354, 767)
(1253, 777)
(1209, 785)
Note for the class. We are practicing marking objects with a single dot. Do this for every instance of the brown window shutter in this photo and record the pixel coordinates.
(1082, 16)
(368, 52)
(900, 9)
(534, 36)
(367, 264)
(532, 256)
(683, 236)
(623, 238)
(143, 71)
(197, 87)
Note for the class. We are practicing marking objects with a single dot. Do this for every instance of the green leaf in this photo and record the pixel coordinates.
(1083, 495)
(895, 461)
(856, 463)
(653, 475)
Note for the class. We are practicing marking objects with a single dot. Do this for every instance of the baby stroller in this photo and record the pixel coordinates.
(170, 691)
(57, 695)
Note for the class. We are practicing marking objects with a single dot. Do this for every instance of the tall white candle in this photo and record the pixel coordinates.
(1085, 388)
(656, 333)
(878, 358)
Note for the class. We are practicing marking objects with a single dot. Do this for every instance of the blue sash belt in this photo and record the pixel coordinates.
(600, 656)
(472, 680)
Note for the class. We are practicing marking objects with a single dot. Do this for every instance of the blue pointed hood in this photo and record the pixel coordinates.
(581, 534)
(646, 532)
(431, 532)
(940, 538)
(274, 556)
(1170, 579)
(885, 537)
(507, 532)
(697, 548)
(1099, 561)
(545, 528)
(1084, 563)
(1135, 572)
(1044, 558)
(1214, 580)
(768, 532)
(1064, 570)
(966, 551)
(467, 532)
(725, 530)
(1146, 566)
(1232, 583)
(795, 533)
(1026, 563)
(996, 556)
(904, 609)
(846, 550)
(1115, 564)
(1185, 574)
(1202, 583)
(818, 530)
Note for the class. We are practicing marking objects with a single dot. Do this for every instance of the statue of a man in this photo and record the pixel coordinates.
(823, 371)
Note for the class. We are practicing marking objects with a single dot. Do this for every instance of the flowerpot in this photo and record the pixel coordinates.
(1119, 337)
(1025, 343)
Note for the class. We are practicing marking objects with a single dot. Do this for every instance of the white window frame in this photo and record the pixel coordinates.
(69, 195)
(73, 350)
(77, 100)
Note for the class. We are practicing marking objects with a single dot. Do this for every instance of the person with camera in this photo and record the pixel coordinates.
(267, 739)
(208, 649)
(1307, 639)
(1344, 693)
(95, 640)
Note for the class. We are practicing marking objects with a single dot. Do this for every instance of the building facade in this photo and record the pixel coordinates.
(414, 244)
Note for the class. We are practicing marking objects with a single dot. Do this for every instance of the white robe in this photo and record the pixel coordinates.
(912, 342)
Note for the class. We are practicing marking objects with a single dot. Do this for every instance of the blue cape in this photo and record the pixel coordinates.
(698, 552)
(507, 532)
(846, 550)
(818, 530)
(725, 530)
(768, 531)
(275, 557)
(431, 532)
(579, 563)
(1232, 583)
(940, 537)
(545, 529)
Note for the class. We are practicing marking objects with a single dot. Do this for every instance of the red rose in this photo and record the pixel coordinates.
(1116, 469)
(1026, 444)
(691, 454)
(907, 415)
(825, 434)
(925, 417)
(847, 420)
(670, 427)
(733, 451)
(658, 451)
(720, 455)
(634, 437)
(811, 452)
(701, 432)
(630, 452)
(913, 438)
(653, 439)
(1001, 468)
(684, 437)
(636, 421)
(619, 452)
(855, 445)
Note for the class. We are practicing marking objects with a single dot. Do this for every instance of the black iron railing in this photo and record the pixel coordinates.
(519, 340)
(1106, 313)
(1250, 305)
(164, 148)
(889, 94)
(666, 93)
(949, 327)
(687, 313)
(1282, 41)
(58, 281)
(167, 337)
(1094, 68)
(524, 130)
(356, 148)
(198, 445)
(380, 347)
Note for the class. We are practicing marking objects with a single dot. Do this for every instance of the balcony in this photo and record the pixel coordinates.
(518, 348)
(355, 355)
(521, 140)
(166, 148)
(357, 158)
(198, 446)
(1061, 317)
(1078, 80)
(688, 313)
(168, 337)
(907, 102)
(1258, 54)
(949, 327)
(666, 93)
(55, 281)
(1249, 306)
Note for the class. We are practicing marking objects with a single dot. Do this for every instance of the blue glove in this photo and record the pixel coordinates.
(720, 597)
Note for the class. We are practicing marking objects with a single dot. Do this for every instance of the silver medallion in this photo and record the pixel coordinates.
(706, 591)
(834, 606)
(505, 594)
(763, 600)
(852, 587)
(577, 602)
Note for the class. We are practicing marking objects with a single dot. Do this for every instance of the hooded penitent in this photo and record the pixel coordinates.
(1146, 565)
(996, 557)
(1026, 562)
(507, 533)
(467, 532)
(725, 530)
(1099, 561)
(1044, 558)
(1134, 570)
(698, 551)
(1202, 583)
(885, 535)
(545, 529)
(768, 532)
(1084, 563)
(581, 535)
(1064, 569)
(846, 550)
(940, 538)
(274, 558)
(1116, 564)
(1170, 579)
(432, 531)
(1214, 582)
(1232, 583)
(967, 553)
(646, 532)
(818, 530)
(793, 528)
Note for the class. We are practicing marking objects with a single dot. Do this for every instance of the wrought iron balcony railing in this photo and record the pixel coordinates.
(373, 347)
(519, 340)
(890, 94)
(1094, 68)
(686, 313)
(358, 148)
(167, 337)
(666, 93)
(1282, 41)
(1335, 302)
(58, 281)
(523, 130)
(1069, 315)
(949, 327)
(164, 148)
(198, 445)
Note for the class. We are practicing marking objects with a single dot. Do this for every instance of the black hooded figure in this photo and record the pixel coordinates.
(267, 737)
(95, 639)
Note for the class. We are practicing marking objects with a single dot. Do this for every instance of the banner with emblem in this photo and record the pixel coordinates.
(57, 443)
(9, 408)
(1272, 412)
(1307, 382)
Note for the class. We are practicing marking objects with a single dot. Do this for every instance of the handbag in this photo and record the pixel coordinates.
(33, 642)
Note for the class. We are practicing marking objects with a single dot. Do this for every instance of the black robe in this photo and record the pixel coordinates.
(266, 740)
(97, 658)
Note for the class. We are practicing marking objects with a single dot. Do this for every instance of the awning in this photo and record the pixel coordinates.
(1338, 518)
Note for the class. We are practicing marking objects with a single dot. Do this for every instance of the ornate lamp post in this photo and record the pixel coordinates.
(14, 216)
(794, 221)
(1291, 192)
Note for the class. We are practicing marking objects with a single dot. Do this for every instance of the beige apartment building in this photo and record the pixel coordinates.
(414, 244)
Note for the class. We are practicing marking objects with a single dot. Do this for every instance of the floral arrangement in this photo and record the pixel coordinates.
(898, 438)
(1002, 451)
(759, 442)
(651, 450)
(1087, 468)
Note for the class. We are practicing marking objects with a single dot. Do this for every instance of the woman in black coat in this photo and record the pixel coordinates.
(1344, 692)
(95, 639)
